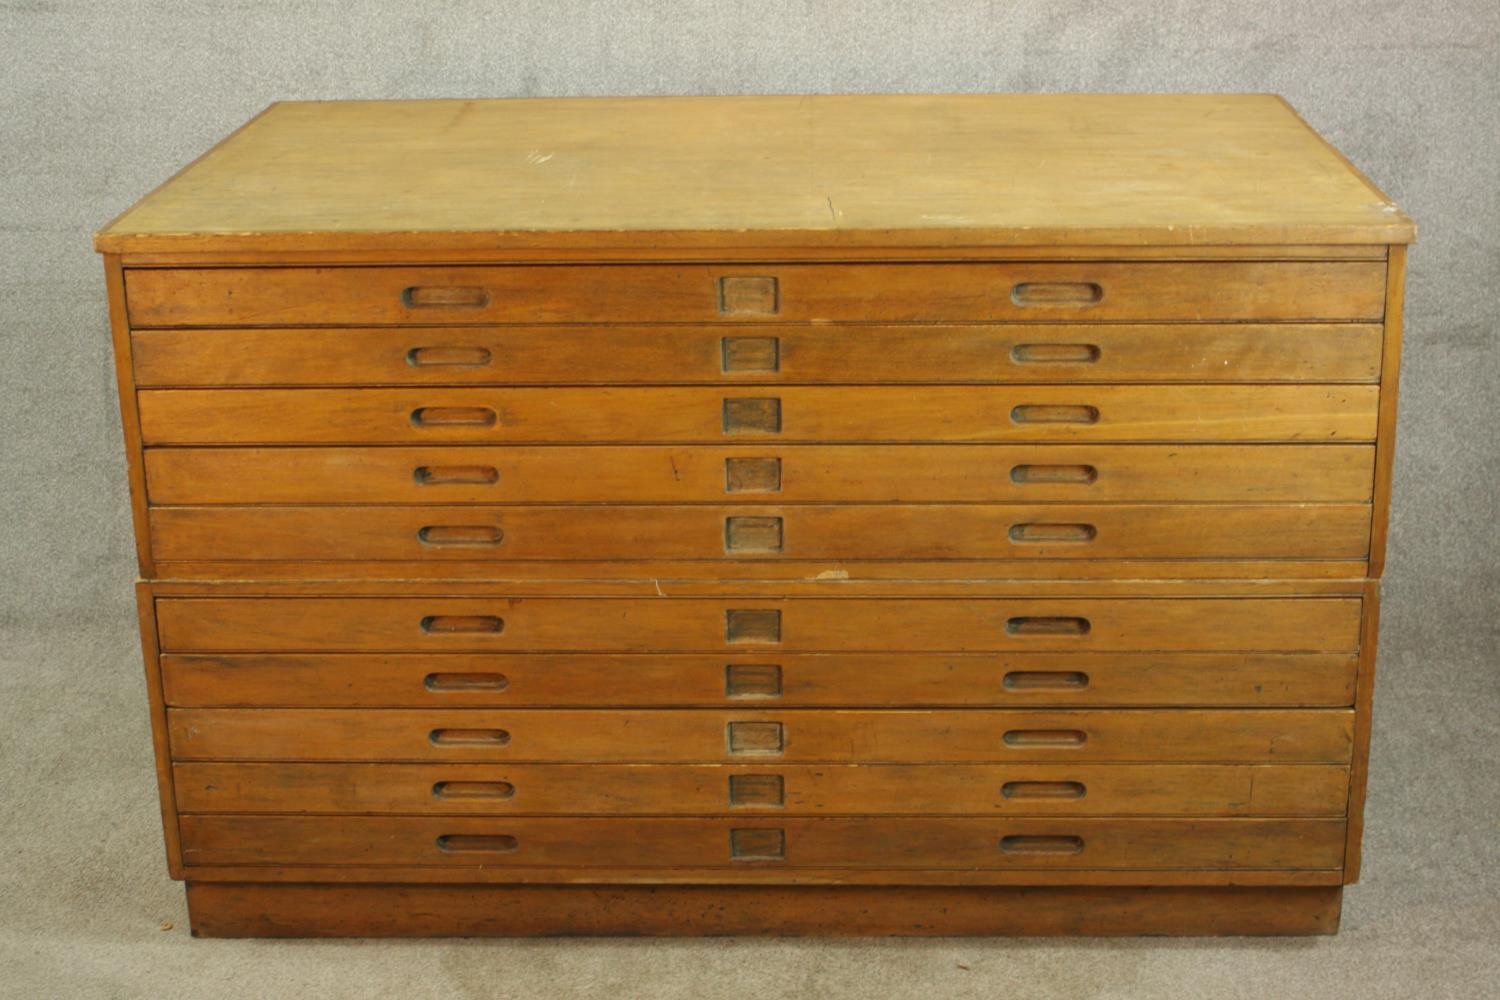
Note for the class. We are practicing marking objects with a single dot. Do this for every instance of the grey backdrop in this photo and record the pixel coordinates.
(102, 100)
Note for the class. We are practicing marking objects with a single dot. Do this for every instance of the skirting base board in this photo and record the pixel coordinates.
(242, 909)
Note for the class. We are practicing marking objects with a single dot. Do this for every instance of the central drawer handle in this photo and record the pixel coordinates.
(1054, 354)
(465, 682)
(469, 737)
(1037, 532)
(453, 416)
(473, 790)
(1056, 625)
(1057, 293)
(1041, 845)
(476, 843)
(1046, 680)
(460, 534)
(445, 297)
(1036, 413)
(1045, 738)
(456, 475)
(462, 624)
(1076, 475)
(448, 357)
(1043, 790)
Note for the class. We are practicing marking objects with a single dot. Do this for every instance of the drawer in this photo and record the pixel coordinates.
(756, 293)
(910, 843)
(792, 789)
(446, 680)
(846, 533)
(791, 413)
(264, 624)
(1279, 736)
(763, 473)
(1019, 352)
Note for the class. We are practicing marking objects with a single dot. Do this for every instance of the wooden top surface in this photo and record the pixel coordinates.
(746, 172)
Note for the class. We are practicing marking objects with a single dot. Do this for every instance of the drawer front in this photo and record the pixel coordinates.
(755, 735)
(793, 789)
(763, 473)
(927, 843)
(1183, 352)
(847, 533)
(791, 413)
(744, 294)
(447, 680)
(809, 625)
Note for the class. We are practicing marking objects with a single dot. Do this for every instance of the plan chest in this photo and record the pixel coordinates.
(883, 515)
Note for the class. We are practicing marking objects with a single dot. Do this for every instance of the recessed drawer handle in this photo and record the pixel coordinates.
(1055, 625)
(1043, 790)
(460, 534)
(476, 843)
(462, 624)
(473, 790)
(1041, 845)
(1026, 738)
(1032, 413)
(1046, 680)
(445, 297)
(1077, 475)
(1056, 293)
(448, 357)
(1053, 532)
(453, 416)
(469, 737)
(466, 682)
(1054, 354)
(455, 475)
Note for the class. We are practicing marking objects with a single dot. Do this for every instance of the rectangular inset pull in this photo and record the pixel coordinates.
(1046, 680)
(469, 737)
(760, 415)
(766, 790)
(453, 416)
(1078, 475)
(462, 624)
(752, 534)
(749, 294)
(1056, 293)
(752, 680)
(751, 354)
(448, 357)
(1064, 790)
(1041, 845)
(445, 297)
(475, 843)
(755, 737)
(752, 475)
(460, 534)
(1054, 354)
(752, 625)
(455, 475)
(465, 682)
(1033, 413)
(757, 845)
(1026, 738)
(1055, 625)
(473, 790)
(1052, 532)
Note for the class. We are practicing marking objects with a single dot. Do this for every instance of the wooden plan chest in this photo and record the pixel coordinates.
(800, 515)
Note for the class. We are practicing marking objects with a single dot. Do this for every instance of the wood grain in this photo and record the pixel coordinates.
(808, 473)
(805, 735)
(705, 354)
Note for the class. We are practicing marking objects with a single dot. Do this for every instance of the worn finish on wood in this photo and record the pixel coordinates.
(620, 354)
(837, 527)
(824, 171)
